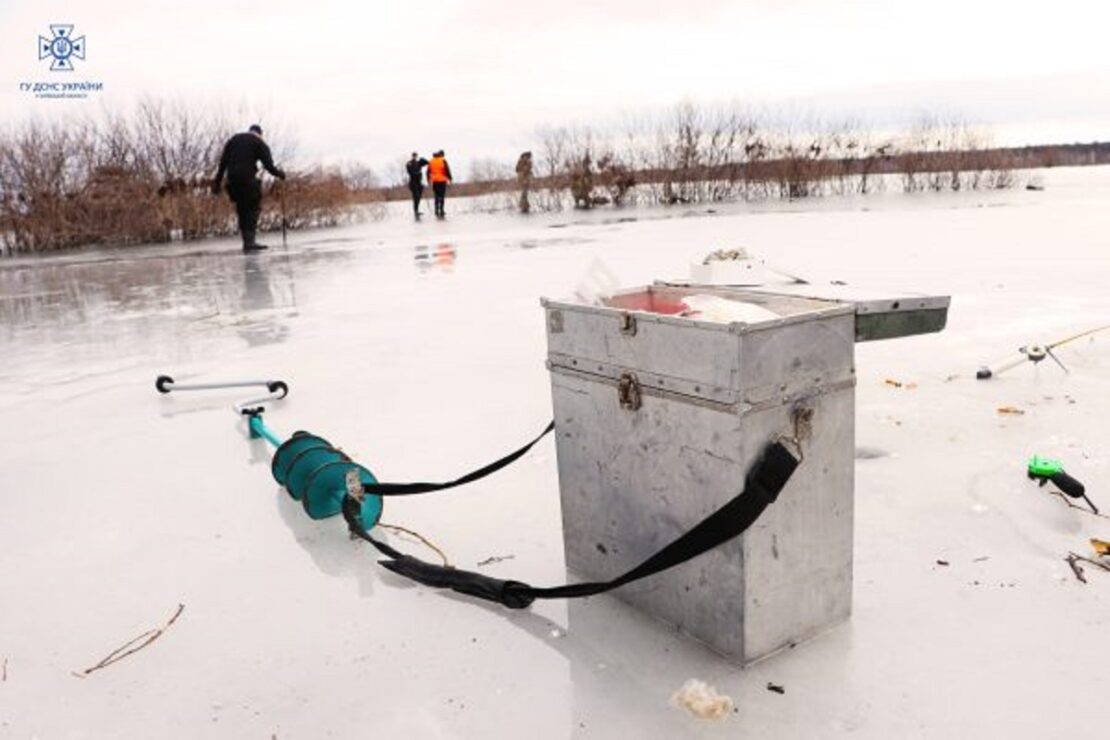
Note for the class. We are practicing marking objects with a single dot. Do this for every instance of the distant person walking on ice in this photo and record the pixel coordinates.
(415, 168)
(524, 180)
(439, 174)
(239, 160)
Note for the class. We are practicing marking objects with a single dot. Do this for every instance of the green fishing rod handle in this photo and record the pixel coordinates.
(1043, 467)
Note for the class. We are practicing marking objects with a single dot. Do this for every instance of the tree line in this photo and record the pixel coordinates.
(697, 154)
(143, 176)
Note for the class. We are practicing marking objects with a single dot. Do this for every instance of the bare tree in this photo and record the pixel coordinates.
(359, 176)
(134, 177)
(554, 148)
(489, 170)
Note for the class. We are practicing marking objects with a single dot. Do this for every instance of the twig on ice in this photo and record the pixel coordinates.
(1084, 509)
(424, 540)
(1097, 564)
(1076, 568)
(495, 559)
(132, 646)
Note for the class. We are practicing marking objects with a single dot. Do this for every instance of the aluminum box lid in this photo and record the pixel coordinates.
(644, 330)
(879, 315)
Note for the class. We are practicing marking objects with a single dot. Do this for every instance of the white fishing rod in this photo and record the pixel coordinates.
(1035, 353)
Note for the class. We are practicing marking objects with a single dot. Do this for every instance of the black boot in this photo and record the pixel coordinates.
(250, 245)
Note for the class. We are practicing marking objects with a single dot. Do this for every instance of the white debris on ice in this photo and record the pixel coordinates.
(702, 700)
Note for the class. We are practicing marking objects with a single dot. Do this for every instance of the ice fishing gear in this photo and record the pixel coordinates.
(312, 470)
(316, 473)
(327, 482)
(277, 388)
(1034, 353)
(1044, 470)
(166, 384)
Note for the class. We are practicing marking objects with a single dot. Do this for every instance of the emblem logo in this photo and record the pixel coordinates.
(61, 47)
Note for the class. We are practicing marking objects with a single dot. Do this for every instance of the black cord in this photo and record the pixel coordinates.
(409, 489)
(764, 482)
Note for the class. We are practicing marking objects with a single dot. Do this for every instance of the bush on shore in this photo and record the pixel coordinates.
(146, 177)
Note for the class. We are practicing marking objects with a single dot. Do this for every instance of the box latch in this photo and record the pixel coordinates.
(628, 324)
(628, 391)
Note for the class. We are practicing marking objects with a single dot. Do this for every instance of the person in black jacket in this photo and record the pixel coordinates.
(415, 168)
(239, 160)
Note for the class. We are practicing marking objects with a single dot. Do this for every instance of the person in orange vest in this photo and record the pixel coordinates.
(439, 174)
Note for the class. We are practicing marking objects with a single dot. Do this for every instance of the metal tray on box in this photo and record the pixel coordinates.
(879, 315)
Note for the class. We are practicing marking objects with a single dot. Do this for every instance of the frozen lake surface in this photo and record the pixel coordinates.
(419, 349)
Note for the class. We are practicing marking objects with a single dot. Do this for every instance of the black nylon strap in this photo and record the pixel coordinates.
(409, 489)
(764, 482)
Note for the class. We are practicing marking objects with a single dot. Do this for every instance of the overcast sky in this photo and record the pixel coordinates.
(373, 81)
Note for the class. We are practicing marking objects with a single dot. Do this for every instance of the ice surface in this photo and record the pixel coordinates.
(419, 349)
